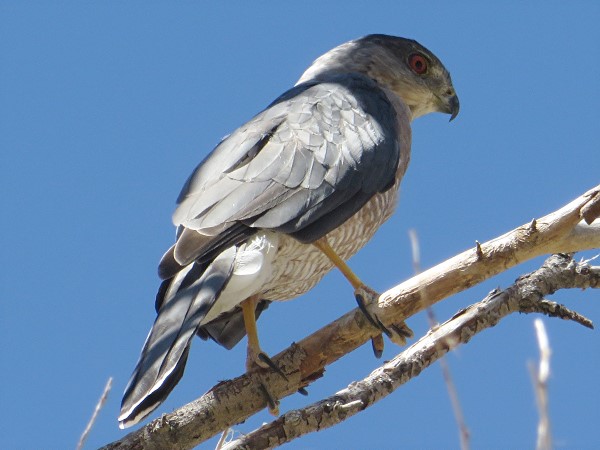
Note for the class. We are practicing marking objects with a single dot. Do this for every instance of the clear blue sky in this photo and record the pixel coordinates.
(106, 107)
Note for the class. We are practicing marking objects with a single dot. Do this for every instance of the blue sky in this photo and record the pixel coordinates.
(106, 107)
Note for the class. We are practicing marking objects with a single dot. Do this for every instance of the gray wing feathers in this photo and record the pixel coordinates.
(165, 350)
(320, 147)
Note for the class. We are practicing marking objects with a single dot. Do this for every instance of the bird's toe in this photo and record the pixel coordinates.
(400, 333)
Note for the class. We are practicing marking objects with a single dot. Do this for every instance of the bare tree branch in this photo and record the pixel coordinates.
(526, 295)
(97, 410)
(233, 401)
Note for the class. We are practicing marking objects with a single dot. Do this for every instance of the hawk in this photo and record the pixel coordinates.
(283, 199)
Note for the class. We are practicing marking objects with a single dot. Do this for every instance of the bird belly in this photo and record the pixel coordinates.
(298, 267)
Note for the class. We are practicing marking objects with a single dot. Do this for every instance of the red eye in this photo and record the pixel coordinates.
(417, 63)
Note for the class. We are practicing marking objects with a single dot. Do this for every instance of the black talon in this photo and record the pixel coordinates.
(270, 400)
(363, 308)
(383, 328)
(269, 362)
(377, 349)
(373, 320)
(302, 391)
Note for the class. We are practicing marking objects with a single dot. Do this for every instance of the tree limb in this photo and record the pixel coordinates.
(233, 401)
(526, 295)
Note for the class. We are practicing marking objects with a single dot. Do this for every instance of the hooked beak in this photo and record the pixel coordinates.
(449, 104)
(454, 106)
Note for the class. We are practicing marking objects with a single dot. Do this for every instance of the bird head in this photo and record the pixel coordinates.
(402, 66)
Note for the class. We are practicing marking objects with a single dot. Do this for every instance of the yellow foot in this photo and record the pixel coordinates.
(262, 360)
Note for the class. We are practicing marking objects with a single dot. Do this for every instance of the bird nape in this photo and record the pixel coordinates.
(283, 199)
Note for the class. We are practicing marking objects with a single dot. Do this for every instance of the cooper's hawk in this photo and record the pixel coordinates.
(320, 165)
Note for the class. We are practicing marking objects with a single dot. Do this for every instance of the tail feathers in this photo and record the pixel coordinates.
(165, 351)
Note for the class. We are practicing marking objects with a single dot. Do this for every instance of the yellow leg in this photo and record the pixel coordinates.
(364, 294)
(322, 245)
(248, 310)
(256, 357)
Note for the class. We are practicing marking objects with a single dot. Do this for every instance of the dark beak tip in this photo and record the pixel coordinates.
(454, 107)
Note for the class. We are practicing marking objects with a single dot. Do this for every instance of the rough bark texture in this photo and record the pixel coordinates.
(526, 295)
(232, 401)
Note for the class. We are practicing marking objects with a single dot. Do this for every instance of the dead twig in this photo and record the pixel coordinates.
(540, 386)
(97, 409)
(463, 430)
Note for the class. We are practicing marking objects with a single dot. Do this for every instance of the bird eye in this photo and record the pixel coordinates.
(417, 63)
